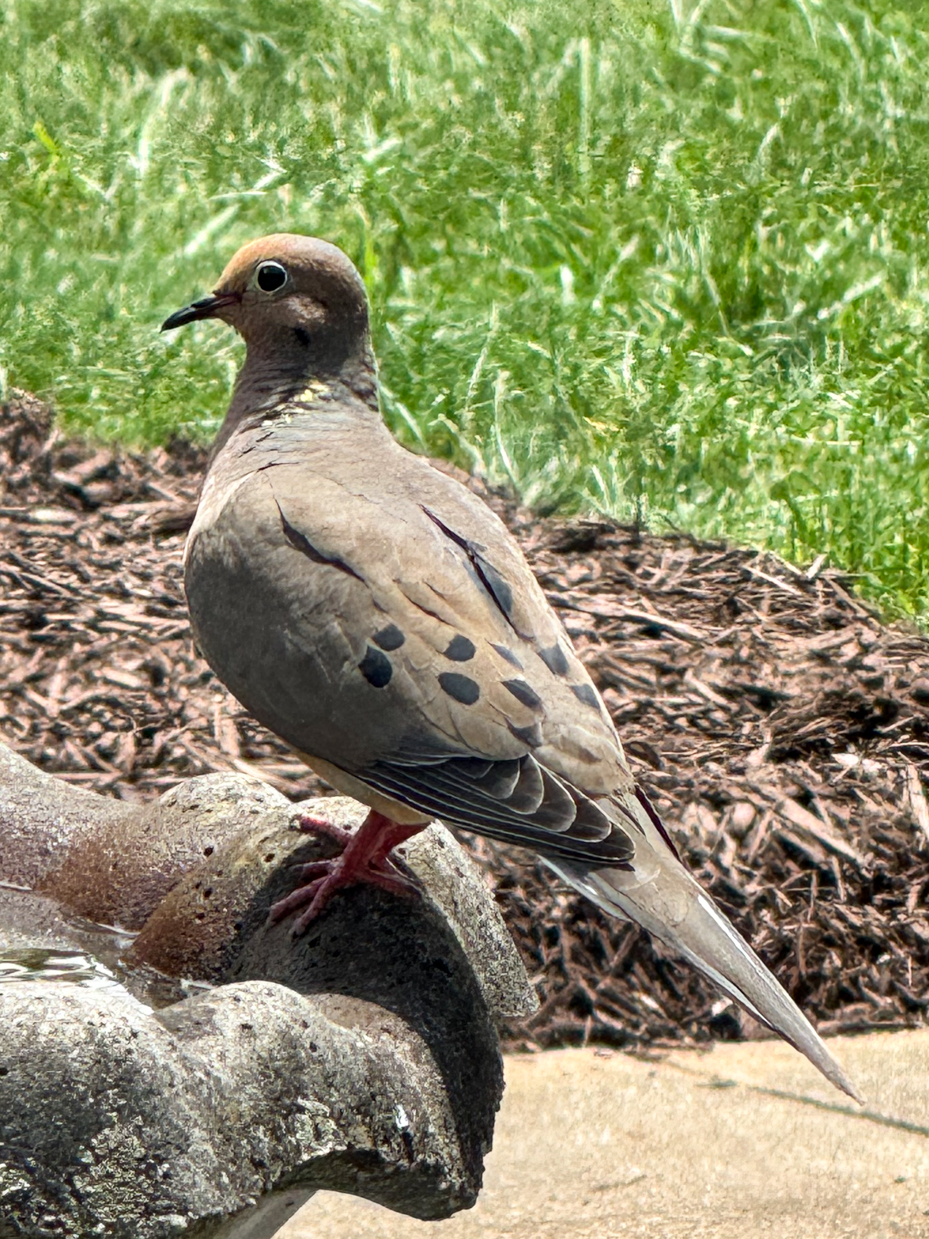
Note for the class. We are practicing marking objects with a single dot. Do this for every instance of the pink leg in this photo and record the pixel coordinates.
(364, 858)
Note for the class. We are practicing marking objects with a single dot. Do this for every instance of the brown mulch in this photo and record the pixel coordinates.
(780, 728)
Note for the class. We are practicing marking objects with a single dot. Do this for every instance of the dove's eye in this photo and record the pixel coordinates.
(270, 276)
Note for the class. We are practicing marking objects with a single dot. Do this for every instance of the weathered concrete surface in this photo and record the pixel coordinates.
(218, 1115)
(694, 1146)
(34, 921)
(119, 873)
(213, 926)
(113, 1122)
(108, 860)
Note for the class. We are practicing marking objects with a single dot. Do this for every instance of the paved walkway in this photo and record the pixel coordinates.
(738, 1143)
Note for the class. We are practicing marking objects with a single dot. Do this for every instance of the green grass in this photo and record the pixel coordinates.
(637, 257)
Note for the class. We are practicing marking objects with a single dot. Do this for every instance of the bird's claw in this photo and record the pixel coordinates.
(364, 859)
(310, 825)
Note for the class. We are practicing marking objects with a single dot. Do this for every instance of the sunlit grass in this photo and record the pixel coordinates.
(636, 257)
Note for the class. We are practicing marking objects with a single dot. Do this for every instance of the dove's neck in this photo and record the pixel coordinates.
(271, 379)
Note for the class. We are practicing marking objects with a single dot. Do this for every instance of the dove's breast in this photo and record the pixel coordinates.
(281, 623)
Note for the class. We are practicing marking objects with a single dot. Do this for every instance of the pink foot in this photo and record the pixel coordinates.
(322, 826)
(364, 858)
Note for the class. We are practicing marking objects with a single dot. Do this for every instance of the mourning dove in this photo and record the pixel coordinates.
(377, 616)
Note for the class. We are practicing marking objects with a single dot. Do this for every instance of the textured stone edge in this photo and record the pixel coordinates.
(124, 1124)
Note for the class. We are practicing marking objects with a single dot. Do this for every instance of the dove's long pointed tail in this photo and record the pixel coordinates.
(677, 911)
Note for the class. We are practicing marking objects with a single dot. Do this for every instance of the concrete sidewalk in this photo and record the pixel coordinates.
(741, 1142)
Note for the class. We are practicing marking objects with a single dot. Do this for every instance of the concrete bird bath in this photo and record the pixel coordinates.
(235, 1070)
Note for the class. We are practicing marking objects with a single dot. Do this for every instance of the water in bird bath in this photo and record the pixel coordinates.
(37, 964)
(40, 944)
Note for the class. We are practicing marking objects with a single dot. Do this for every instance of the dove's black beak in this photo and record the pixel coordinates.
(206, 307)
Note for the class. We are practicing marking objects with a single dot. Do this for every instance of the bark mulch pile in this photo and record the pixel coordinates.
(779, 727)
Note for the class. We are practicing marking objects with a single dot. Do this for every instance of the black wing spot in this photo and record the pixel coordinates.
(499, 589)
(586, 694)
(389, 638)
(376, 668)
(426, 610)
(531, 735)
(525, 693)
(555, 659)
(508, 655)
(460, 649)
(300, 542)
(461, 687)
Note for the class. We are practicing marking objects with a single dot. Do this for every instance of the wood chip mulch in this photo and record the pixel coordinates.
(780, 728)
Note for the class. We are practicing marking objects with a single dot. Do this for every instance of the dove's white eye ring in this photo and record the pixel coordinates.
(270, 276)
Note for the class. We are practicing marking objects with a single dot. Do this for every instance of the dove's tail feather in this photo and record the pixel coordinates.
(672, 907)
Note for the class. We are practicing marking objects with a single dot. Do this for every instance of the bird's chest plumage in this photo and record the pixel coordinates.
(286, 619)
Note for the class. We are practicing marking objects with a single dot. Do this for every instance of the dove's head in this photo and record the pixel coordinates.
(300, 305)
